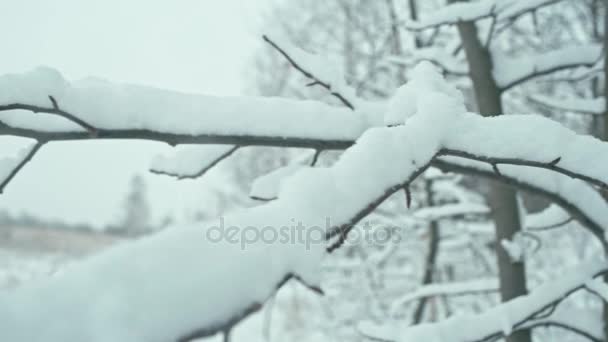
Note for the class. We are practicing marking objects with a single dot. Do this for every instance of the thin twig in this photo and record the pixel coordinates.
(28, 157)
(315, 79)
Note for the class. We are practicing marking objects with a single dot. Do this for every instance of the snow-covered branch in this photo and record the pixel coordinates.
(121, 111)
(463, 288)
(509, 71)
(572, 104)
(519, 313)
(579, 199)
(529, 140)
(450, 211)
(502, 10)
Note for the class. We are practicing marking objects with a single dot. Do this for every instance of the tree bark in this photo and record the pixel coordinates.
(603, 130)
(605, 42)
(431, 257)
(502, 198)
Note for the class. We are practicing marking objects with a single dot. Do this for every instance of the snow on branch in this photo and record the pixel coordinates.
(509, 71)
(501, 10)
(463, 288)
(519, 313)
(123, 111)
(191, 161)
(439, 56)
(581, 105)
(529, 140)
(41, 105)
(579, 199)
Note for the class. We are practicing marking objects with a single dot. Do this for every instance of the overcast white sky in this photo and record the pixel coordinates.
(190, 45)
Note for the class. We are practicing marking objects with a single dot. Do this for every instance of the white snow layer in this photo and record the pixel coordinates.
(107, 105)
(509, 71)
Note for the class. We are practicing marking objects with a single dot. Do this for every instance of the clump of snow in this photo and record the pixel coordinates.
(268, 186)
(107, 105)
(424, 80)
(515, 248)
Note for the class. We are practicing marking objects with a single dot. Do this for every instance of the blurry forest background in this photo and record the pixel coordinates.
(447, 237)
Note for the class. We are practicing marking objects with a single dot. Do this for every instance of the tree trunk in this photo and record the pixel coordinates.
(502, 198)
(431, 257)
(605, 70)
(602, 131)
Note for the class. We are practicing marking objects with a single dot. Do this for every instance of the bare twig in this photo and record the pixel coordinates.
(28, 157)
(309, 74)
(202, 171)
(492, 27)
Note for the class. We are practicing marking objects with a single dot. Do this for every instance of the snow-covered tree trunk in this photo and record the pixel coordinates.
(502, 198)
